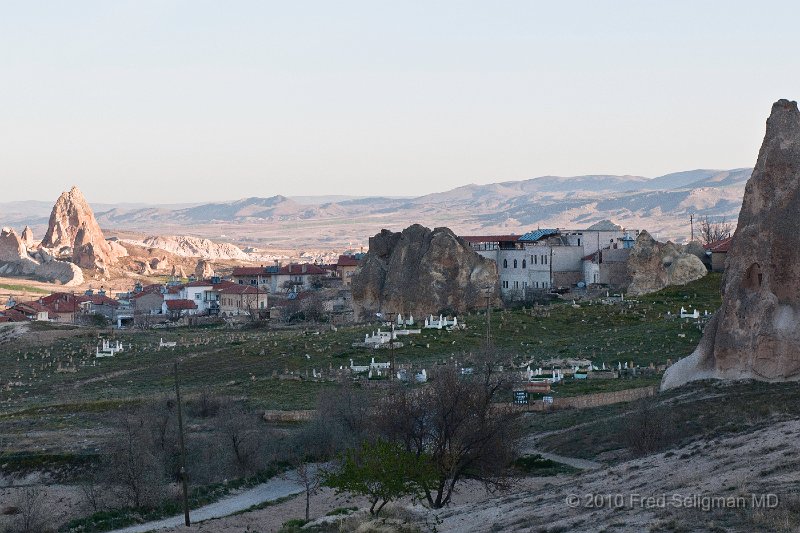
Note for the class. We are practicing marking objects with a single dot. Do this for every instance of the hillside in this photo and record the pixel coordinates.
(662, 205)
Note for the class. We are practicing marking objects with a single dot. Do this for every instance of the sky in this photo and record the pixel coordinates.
(189, 101)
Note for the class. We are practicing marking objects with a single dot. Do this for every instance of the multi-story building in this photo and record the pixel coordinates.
(547, 258)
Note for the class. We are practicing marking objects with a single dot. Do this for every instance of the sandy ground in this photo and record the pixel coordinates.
(613, 498)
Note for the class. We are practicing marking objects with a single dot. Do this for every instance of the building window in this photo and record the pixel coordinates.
(515, 263)
(505, 263)
(579, 242)
(524, 264)
(535, 260)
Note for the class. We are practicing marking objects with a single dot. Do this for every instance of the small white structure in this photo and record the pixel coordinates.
(422, 377)
(162, 344)
(401, 322)
(685, 314)
(443, 322)
(369, 368)
(107, 349)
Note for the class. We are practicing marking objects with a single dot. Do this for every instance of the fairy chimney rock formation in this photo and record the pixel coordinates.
(756, 332)
(422, 271)
(27, 237)
(203, 270)
(72, 225)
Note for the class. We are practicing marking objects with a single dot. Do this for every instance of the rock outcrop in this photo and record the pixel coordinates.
(653, 265)
(72, 226)
(756, 332)
(186, 246)
(27, 237)
(420, 271)
(12, 247)
(203, 270)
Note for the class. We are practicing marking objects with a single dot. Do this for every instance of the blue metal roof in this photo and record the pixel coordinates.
(535, 235)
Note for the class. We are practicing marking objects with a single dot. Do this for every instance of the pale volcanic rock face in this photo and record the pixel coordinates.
(756, 333)
(73, 225)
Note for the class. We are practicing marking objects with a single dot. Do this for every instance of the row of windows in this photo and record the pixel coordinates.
(524, 284)
(535, 259)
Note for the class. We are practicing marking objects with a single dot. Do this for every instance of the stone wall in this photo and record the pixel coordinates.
(594, 400)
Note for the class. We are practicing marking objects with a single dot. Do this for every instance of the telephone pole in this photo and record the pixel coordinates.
(691, 222)
(488, 318)
(183, 450)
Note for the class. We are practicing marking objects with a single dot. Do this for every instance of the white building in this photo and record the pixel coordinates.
(547, 258)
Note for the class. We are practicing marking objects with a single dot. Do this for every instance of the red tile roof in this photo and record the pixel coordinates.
(97, 299)
(249, 271)
(199, 283)
(235, 288)
(180, 305)
(490, 238)
(720, 246)
(30, 306)
(298, 270)
(347, 260)
(14, 316)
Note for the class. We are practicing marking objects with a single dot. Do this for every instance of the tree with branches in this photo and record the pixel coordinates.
(711, 232)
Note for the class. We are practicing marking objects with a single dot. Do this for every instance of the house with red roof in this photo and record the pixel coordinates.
(32, 311)
(297, 277)
(239, 300)
(346, 267)
(176, 309)
(719, 253)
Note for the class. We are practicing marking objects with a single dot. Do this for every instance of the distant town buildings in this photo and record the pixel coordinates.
(545, 259)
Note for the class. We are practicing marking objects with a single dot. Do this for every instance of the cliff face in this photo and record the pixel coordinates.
(653, 265)
(756, 332)
(422, 271)
(12, 247)
(73, 225)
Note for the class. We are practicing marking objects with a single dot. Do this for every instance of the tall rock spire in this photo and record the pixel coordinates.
(756, 332)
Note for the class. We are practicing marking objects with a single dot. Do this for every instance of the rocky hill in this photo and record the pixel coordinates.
(422, 271)
(186, 246)
(73, 230)
(756, 332)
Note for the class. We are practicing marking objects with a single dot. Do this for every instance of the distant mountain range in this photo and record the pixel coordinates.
(661, 205)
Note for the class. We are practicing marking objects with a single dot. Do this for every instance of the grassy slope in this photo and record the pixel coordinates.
(242, 363)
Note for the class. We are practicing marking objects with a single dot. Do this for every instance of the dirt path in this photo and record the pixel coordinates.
(275, 488)
(583, 464)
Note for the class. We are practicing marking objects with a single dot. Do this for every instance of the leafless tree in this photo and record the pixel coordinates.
(645, 430)
(32, 515)
(92, 488)
(240, 434)
(133, 467)
(456, 422)
(309, 476)
(711, 232)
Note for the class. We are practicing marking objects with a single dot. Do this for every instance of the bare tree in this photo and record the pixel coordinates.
(134, 468)
(309, 476)
(241, 437)
(646, 431)
(711, 232)
(456, 423)
(32, 511)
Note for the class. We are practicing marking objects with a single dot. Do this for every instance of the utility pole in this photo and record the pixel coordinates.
(183, 450)
(691, 223)
(391, 353)
(488, 319)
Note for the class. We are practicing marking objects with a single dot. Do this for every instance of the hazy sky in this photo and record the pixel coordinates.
(170, 101)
